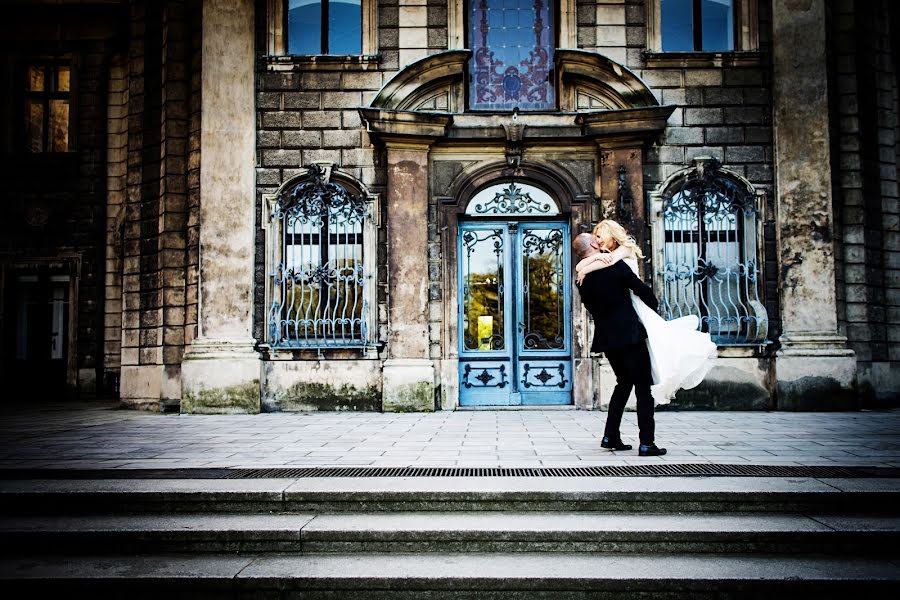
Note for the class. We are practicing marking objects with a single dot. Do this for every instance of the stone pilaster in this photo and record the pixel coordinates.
(221, 371)
(409, 375)
(814, 368)
(622, 189)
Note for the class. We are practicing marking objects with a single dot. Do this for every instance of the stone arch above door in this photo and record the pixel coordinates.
(597, 96)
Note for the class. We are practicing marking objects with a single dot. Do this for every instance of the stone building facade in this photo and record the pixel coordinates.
(250, 213)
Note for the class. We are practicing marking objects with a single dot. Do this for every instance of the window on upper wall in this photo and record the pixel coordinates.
(45, 105)
(324, 26)
(697, 25)
(512, 44)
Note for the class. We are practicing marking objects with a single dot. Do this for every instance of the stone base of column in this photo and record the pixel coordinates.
(408, 385)
(220, 376)
(815, 371)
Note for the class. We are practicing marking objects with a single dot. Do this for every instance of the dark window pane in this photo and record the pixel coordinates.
(345, 27)
(677, 17)
(62, 79)
(304, 27)
(718, 27)
(59, 126)
(512, 50)
(34, 126)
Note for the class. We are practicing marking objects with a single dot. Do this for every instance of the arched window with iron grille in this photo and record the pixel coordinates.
(707, 252)
(319, 249)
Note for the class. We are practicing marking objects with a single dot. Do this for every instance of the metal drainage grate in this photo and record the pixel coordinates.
(652, 470)
(656, 470)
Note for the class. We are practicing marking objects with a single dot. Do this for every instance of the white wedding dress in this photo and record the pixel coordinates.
(680, 354)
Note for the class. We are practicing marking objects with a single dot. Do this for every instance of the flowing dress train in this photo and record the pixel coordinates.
(680, 354)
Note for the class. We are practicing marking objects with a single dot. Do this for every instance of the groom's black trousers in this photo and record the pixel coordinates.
(631, 364)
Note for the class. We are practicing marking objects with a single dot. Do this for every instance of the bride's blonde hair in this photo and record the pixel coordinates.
(609, 228)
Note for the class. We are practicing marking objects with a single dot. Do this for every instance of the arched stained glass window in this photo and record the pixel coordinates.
(512, 53)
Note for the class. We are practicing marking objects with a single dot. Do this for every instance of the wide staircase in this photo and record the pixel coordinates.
(479, 533)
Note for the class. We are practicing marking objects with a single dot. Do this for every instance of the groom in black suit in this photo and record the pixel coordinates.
(619, 334)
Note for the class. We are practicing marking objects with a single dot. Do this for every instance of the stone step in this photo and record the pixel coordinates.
(450, 532)
(452, 575)
(559, 494)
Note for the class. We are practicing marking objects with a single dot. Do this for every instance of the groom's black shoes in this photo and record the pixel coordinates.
(651, 450)
(614, 445)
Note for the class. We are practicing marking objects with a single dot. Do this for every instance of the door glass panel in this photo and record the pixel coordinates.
(482, 290)
(543, 318)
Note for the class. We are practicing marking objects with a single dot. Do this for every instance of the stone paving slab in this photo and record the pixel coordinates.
(97, 435)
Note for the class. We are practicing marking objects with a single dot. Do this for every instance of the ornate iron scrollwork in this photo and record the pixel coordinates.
(318, 277)
(512, 200)
(314, 198)
(534, 244)
(545, 376)
(706, 190)
(709, 257)
(485, 377)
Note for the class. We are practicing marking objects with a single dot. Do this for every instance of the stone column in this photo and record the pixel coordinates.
(814, 368)
(408, 371)
(221, 371)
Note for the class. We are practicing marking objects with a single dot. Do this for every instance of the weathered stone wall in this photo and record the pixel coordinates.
(116, 172)
(52, 210)
(307, 113)
(865, 156)
(155, 267)
(192, 259)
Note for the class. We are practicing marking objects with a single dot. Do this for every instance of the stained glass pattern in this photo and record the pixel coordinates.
(512, 50)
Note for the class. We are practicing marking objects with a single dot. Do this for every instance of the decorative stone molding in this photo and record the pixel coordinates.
(581, 71)
(443, 71)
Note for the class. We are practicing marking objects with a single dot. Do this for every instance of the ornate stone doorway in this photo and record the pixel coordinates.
(515, 334)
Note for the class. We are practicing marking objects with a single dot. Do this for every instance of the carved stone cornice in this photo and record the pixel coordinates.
(613, 128)
(394, 125)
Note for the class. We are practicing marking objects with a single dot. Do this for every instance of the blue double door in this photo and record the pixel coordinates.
(514, 330)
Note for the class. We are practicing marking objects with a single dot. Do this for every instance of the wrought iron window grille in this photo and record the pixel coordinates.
(707, 242)
(319, 244)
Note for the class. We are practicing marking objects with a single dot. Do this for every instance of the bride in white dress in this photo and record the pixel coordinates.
(680, 354)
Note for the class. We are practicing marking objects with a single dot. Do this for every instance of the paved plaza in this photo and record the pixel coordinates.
(98, 435)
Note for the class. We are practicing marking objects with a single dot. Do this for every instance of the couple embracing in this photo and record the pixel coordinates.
(653, 356)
